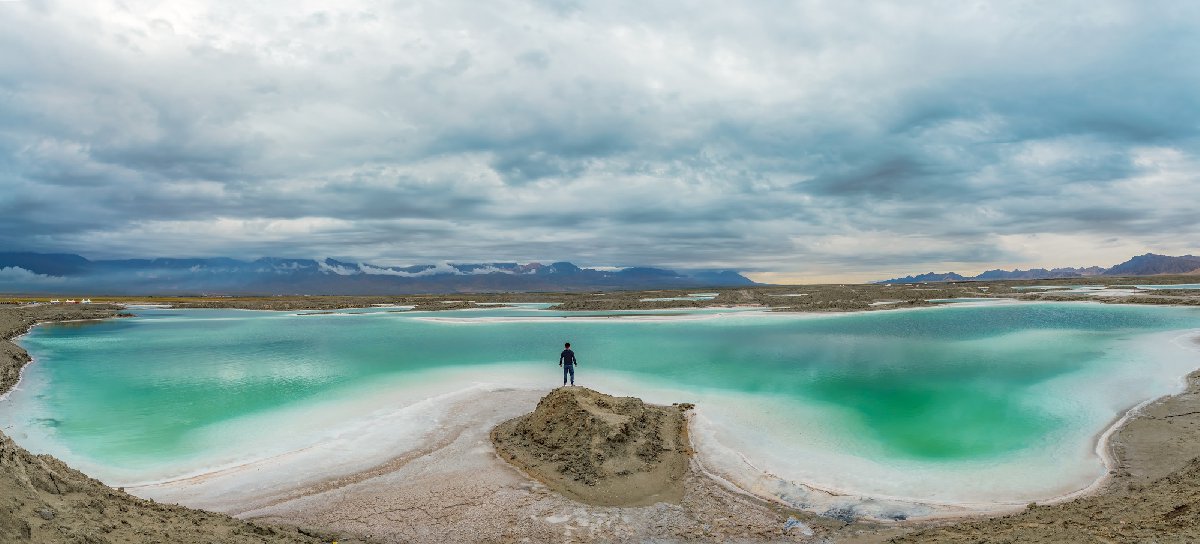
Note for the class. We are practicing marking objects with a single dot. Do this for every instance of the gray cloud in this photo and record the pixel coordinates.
(803, 139)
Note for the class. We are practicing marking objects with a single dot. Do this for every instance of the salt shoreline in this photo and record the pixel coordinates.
(1106, 438)
(1102, 447)
(76, 508)
(940, 509)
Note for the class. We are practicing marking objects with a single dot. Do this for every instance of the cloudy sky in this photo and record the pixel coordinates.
(800, 141)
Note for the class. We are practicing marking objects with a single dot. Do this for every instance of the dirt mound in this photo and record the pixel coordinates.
(599, 449)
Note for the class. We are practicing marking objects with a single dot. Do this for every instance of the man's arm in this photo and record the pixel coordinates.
(560, 358)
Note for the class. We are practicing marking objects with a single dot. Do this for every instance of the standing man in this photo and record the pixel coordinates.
(567, 361)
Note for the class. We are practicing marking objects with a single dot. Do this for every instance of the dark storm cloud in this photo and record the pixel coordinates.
(892, 177)
(808, 138)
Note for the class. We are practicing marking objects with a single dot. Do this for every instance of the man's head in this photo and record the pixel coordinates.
(567, 345)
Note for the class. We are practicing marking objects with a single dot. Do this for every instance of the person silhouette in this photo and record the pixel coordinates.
(567, 361)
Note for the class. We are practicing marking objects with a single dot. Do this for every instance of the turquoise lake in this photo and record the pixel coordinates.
(919, 404)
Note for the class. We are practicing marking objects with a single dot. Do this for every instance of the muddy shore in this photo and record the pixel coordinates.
(1150, 497)
(791, 298)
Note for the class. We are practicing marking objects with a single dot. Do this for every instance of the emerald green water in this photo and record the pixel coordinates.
(844, 399)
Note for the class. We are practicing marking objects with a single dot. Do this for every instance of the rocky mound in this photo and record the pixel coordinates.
(599, 449)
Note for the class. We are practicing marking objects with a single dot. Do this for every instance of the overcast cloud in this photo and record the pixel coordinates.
(800, 140)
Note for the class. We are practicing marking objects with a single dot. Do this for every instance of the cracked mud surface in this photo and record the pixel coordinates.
(463, 492)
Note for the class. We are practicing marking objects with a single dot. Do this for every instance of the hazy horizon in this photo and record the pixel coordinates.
(17, 275)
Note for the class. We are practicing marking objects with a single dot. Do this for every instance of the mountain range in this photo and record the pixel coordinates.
(1149, 264)
(61, 273)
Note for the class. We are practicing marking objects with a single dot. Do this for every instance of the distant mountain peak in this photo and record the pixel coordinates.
(63, 273)
(927, 277)
(1148, 264)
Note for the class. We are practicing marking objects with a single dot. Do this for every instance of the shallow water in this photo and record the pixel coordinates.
(1062, 288)
(689, 297)
(975, 403)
